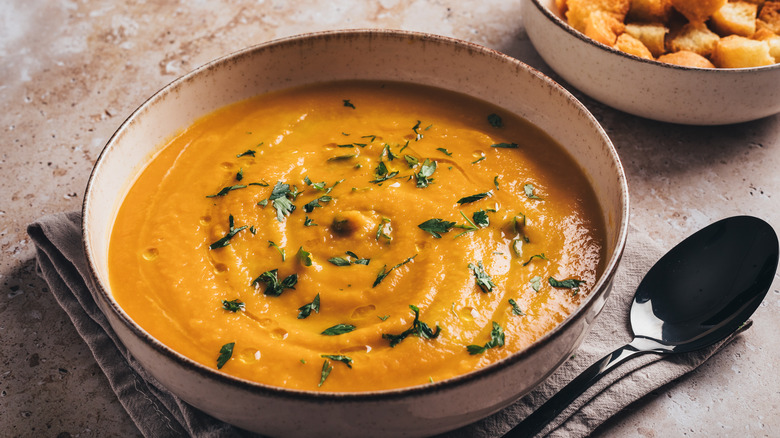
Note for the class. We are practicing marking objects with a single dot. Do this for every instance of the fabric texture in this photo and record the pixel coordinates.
(157, 413)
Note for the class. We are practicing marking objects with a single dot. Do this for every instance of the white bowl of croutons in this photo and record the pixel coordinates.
(697, 62)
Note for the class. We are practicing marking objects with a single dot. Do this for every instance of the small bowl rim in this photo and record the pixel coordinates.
(601, 288)
(555, 18)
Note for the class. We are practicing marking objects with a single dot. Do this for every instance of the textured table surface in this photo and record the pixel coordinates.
(71, 71)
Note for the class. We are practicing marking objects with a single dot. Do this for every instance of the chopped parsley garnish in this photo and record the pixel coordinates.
(436, 227)
(339, 358)
(248, 152)
(536, 283)
(326, 369)
(481, 218)
(273, 286)
(348, 104)
(495, 182)
(483, 279)
(496, 340)
(308, 222)
(424, 175)
(384, 317)
(384, 229)
(515, 308)
(304, 257)
(529, 191)
(240, 174)
(411, 161)
(305, 310)
(535, 256)
(387, 152)
(417, 134)
(309, 207)
(570, 283)
(338, 329)
(371, 137)
(341, 261)
(474, 198)
(233, 305)
(478, 159)
(226, 190)
(343, 157)
(358, 260)
(418, 328)
(517, 247)
(281, 250)
(381, 173)
(495, 120)
(384, 272)
(281, 198)
(444, 151)
(224, 354)
(225, 241)
(505, 145)
(262, 184)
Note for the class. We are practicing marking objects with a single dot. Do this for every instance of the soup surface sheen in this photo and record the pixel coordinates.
(355, 236)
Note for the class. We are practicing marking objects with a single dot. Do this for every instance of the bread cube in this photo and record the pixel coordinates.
(770, 17)
(735, 51)
(579, 10)
(735, 18)
(650, 11)
(652, 35)
(697, 11)
(772, 39)
(603, 27)
(694, 37)
(686, 59)
(626, 43)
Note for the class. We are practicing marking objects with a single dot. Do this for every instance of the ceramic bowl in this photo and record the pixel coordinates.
(646, 88)
(360, 54)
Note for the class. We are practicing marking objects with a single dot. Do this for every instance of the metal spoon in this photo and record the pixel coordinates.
(697, 294)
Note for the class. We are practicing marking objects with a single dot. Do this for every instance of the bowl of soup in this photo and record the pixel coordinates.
(355, 232)
(677, 61)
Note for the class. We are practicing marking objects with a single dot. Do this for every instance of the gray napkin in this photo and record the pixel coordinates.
(156, 412)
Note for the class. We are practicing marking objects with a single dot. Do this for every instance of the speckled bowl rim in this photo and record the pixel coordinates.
(555, 18)
(601, 288)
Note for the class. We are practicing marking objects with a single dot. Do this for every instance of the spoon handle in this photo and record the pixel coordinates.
(535, 422)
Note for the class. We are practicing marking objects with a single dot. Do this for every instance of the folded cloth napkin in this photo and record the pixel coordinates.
(156, 412)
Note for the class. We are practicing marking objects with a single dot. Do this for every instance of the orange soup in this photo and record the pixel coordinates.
(355, 236)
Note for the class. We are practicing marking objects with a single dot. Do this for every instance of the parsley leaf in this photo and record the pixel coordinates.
(417, 134)
(505, 145)
(308, 208)
(481, 218)
(273, 286)
(495, 120)
(384, 229)
(281, 250)
(483, 279)
(348, 104)
(411, 161)
(225, 241)
(418, 328)
(304, 257)
(515, 308)
(326, 369)
(535, 256)
(308, 222)
(436, 227)
(339, 261)
(474, 198)
(240, 174)
(570, 283)
(340, 358)
(381, 173)
(280, 195)
(224, 354)
(248, 152)
(536, 283)
(424, 175)
(358, 260)
(529, 191)
(338, 329)
(226, 190)
(496, 340)
(233, 305)
(305, 310)
(444, 151)
(384, 273)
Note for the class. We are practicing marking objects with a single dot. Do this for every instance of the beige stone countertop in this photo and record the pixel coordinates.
(72, 70)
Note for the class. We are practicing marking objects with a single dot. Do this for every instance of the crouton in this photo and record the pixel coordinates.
(603, 27)
(697, 11)
(735, 51)
(579, 10)
(653, 36)
(772, 39)
(633, 46)
(686, 59)
(770, 17)
(650, 11)
(695, 38)
(736, 18)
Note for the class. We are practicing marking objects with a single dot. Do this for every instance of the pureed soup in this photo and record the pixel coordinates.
(355, 236)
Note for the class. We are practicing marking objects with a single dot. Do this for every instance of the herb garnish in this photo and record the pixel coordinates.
(495, 120)
(570, 283)
(309, 207)
(305, 310)
(483, 279)
(529, 191)
(233, 305)
(474, 198)
(424, 175)
(384, 229)
(248, 152)
(348, 104)
(308, 222)
(536, 283)
(444, 151)
(326, 369)
(273, 286)
(383, 273)
(240, 174)
(282, 197)
(226, 190)
(384, 317)
(338, 329)
(418, 328)
(225, 241)
(381, 173)
(535, 256)
(341, 261)
(304, 257)
(386, 151)
(515, 308)
(411, 161)
(281, 250)
(505, 145)
(224, 354)
(340, 358)
(479, 159)
(496, 340)
(495, 182)
(481, 218)
(436, 226)
(418, 136)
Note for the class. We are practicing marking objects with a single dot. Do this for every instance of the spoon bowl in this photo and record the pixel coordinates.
(700, 292)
